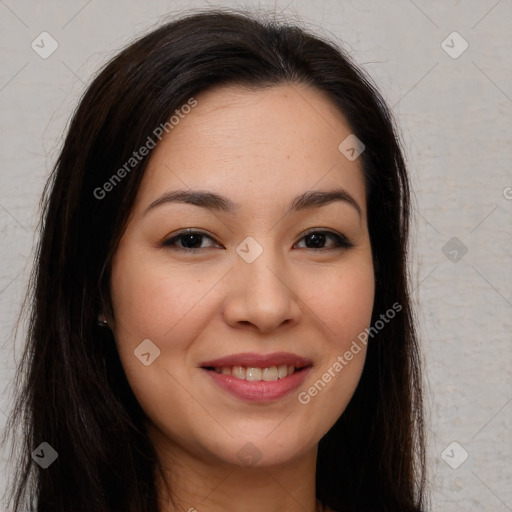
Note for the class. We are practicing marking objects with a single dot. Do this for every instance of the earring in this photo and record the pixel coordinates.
(102, 321)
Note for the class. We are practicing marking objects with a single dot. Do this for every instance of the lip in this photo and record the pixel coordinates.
(255, 360)
(259, 391)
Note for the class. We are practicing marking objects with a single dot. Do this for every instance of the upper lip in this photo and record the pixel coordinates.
(252, 359)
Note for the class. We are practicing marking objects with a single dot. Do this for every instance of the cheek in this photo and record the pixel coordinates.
(350, 317)
(160, 304)
(343, 300)
(343, 303)
(353, 309)
(157, 303)
(151, 300)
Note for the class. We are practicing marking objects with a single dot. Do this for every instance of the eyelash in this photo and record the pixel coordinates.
(342, 242)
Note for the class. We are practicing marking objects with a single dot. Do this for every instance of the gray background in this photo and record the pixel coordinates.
(455, 118)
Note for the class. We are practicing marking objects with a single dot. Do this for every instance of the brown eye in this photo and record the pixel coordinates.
(317, 240)
(190, 241)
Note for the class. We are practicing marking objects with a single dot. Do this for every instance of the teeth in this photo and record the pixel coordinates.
(251, 373)
(270, 373)
(238, 372)
(282, 371)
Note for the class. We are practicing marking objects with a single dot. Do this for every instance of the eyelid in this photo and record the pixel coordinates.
(342, 241)
(192, 231)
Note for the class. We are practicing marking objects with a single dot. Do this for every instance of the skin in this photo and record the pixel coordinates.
(260, 149)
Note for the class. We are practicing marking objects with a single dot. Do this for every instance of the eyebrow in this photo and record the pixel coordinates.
(212, 201)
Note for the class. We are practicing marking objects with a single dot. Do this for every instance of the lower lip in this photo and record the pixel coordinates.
(259, 390)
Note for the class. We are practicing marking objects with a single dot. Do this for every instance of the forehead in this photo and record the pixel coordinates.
(267, 143)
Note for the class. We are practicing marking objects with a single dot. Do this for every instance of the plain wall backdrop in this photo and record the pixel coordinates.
(445, 69)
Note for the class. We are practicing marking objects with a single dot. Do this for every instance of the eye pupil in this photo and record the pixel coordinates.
(316, 238)
(191, 238)
(192, 241)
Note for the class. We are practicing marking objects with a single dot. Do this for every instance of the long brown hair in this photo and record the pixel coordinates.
(71, 389)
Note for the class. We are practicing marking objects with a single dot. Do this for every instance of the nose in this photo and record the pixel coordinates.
(261, 295)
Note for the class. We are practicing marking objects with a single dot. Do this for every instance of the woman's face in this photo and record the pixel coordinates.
(255, 286)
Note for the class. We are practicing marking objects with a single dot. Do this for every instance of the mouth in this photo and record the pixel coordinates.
(256, 377)
(254, 367)
(254, 373)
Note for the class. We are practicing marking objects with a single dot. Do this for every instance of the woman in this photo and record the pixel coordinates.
(220, 315)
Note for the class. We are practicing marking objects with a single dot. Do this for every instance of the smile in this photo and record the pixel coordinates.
(257, 377)
(268, 374)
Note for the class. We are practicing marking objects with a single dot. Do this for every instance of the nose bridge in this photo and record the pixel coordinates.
(260, 264)
(261, 294)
